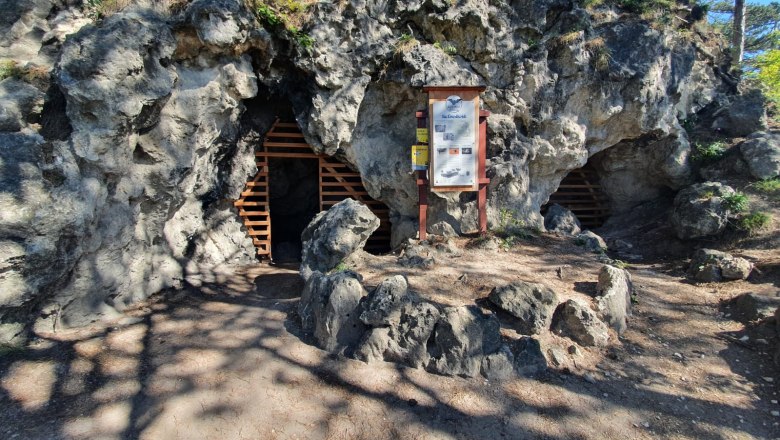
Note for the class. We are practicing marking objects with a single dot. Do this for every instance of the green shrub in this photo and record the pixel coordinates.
(737, 202)
(709, 152)
(754, 222)
(286, 18)
(768, 185)
(8, 69)
(405, 43)
(445, 47)
(268, 16)
(341, 267)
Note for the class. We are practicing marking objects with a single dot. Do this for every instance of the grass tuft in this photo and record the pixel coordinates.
(754, 222)
(736, 202)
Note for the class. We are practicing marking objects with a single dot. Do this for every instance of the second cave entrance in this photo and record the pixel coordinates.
(291, 186)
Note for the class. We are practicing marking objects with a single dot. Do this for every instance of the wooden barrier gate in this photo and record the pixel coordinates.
(580, 192)
(336, 183)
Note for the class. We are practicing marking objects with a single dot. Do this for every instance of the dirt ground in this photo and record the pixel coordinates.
(225, 359)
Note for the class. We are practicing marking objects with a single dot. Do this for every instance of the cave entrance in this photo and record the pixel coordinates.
(291, 186)
(581, 193)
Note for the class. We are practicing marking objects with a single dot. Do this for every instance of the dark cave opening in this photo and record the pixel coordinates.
(294, 201)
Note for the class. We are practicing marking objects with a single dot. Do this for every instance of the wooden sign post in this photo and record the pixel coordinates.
(457, 141)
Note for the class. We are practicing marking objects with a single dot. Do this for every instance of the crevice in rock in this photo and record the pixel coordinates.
(55, 125)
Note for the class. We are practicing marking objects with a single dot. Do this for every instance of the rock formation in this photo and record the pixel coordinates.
(129, 138)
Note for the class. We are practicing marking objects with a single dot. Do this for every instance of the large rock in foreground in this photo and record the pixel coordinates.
(531, 303)
(708, 265)
(402, 323)
(330, 310)
(578, 322)
(699, 210)
(754, 306)
(762, 154)
(334, 235)
(463, 336)
(613, 297)
(561, 220)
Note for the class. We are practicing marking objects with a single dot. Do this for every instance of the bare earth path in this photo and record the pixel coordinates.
(224, 359)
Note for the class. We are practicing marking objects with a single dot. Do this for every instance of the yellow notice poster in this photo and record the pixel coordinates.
(422, 135)
(419, 157)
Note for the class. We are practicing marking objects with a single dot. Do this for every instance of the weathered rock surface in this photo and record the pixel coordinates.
(335, 234)
(762, 154)
(152, 141)
(613, 297)
(575, 320)
(753, 306)
(624, 174)
(562, 221)
(463, 337)
(330, 310)
(745, 114)
(529, 359)
(383, 306)
(405, 340)
(20, 104)
(442, 228)
(699, 210)
(591, 241)
(532, 304)
(708, 265)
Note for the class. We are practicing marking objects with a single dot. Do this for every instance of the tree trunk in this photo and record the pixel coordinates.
(738, 35)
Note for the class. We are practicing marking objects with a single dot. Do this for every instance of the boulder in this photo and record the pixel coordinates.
(708, 265)
(462, 338)
(408, 341)
(699, 210)
(442, 228)
(754, 306)
(613, 297)
(382, 307)
(531, 303)
(562, 221)
(417, 255)
(577, 321)
(334, 235)
(591, 241)
(402, 325)
(330, 308)
(761, 151)
(499, 365)
(528, 357)
(745, 114)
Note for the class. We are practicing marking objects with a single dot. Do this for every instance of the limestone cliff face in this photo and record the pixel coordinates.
(118, 167)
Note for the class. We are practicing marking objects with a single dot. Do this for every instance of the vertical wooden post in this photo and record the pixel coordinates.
(422, 183)
(483, 180)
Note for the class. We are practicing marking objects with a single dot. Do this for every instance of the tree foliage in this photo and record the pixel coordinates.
(768, 73)
(762, 28)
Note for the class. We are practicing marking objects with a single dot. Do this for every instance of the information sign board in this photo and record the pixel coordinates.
(454, 146)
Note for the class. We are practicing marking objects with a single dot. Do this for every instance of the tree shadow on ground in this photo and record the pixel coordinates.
(224, 359)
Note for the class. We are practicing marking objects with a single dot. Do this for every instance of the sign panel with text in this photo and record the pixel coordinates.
(454, 142)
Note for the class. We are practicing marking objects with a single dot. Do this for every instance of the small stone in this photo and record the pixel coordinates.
(745, 338)
(769, 379)
(678, 355)
(646, 424)
(775, 413)
(589, 377)
(774, 401)
(573, 350)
